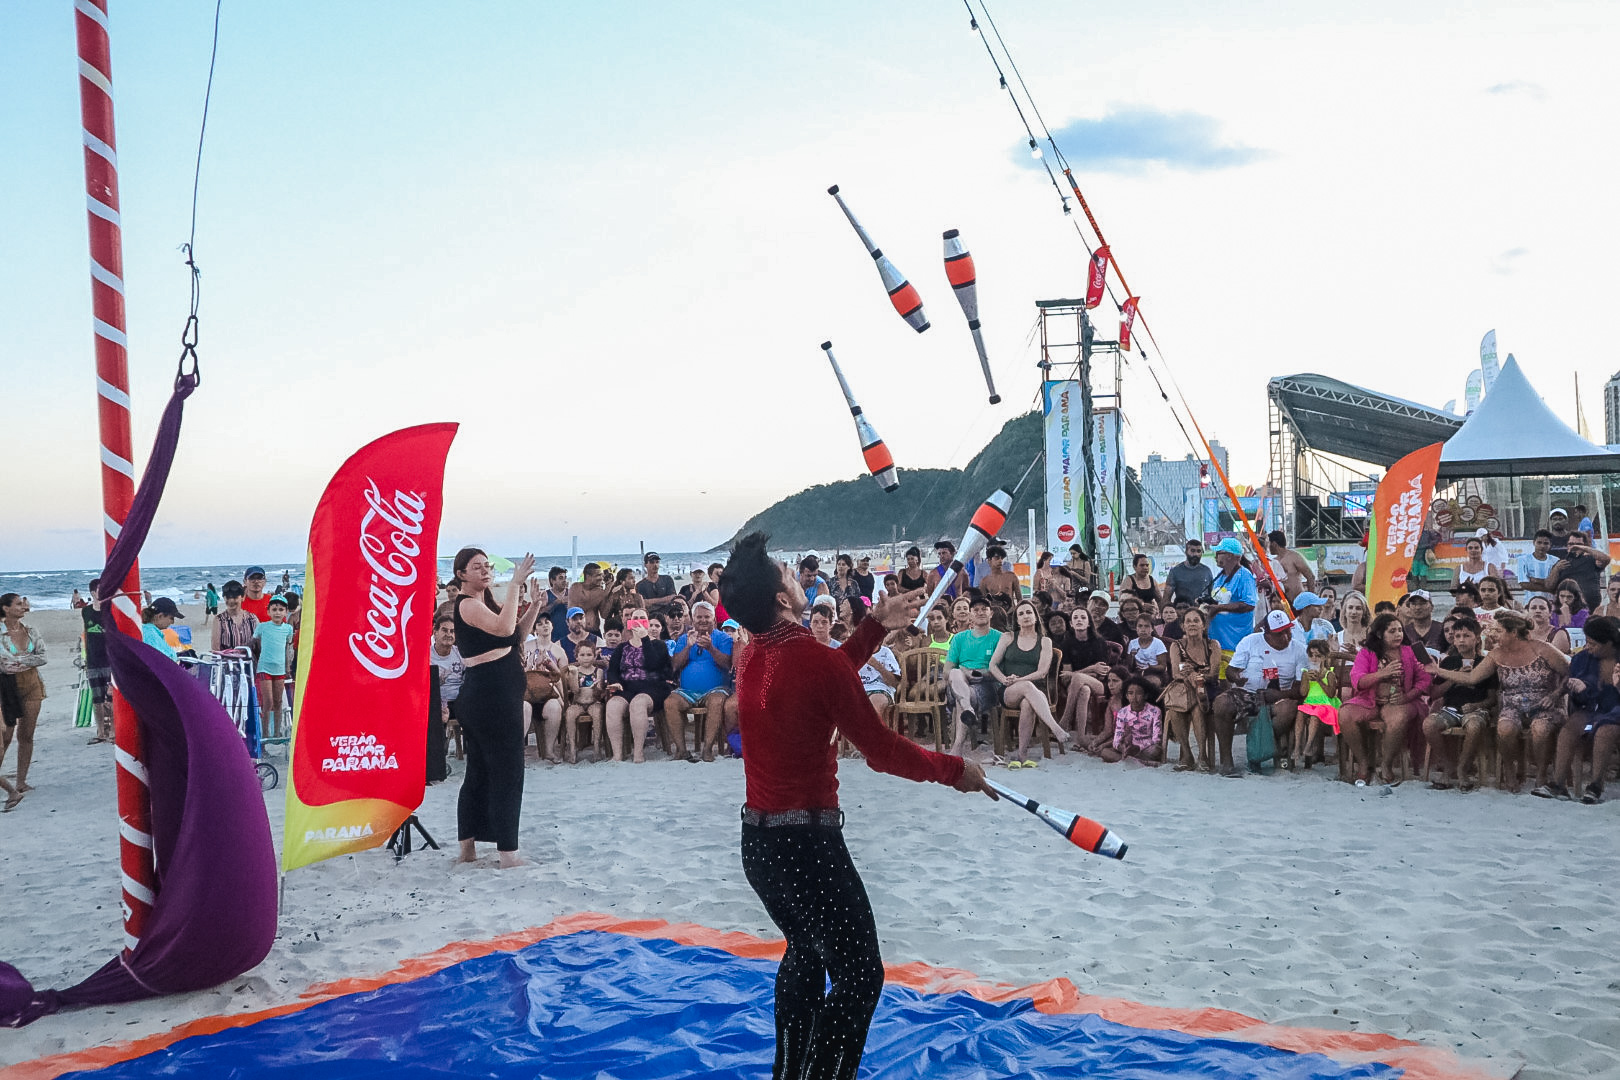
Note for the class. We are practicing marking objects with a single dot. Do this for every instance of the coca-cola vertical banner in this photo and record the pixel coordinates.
(359, 748)
(1127, 319)
(1097, 277)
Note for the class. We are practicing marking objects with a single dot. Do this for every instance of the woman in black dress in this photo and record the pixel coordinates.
(913, 576)
(490, 705)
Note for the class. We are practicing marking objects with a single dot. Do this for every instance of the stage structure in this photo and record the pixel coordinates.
(1329, 443)
(1085, 462)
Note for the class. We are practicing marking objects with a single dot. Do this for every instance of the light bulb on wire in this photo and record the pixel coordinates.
(1034, 151)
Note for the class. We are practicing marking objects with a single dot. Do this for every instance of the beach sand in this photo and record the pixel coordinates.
(1485, 923)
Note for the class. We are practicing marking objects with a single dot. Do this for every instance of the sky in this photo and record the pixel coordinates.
(598, 236)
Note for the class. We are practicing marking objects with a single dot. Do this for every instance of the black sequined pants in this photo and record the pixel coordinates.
(811, 890)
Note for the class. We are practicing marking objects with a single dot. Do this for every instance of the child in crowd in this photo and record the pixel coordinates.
(1138, 727)
(272, 641)
(584, 679)
(1321, 704)
(1115, 682)
(1148, 653)
(612, 636)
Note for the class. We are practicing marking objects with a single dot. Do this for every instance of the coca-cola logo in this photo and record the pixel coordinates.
(384, 647)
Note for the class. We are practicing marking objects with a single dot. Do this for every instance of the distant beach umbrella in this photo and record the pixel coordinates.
(1097, 277)
(879, 462)
(964, 280)
(901, 292)
(987, 520)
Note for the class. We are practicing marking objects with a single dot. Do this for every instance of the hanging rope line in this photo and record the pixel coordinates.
(188, 336)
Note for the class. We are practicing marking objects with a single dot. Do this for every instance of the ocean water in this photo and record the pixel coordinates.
(53, 589)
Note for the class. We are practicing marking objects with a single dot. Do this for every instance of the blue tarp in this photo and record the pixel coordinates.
(606, 1006)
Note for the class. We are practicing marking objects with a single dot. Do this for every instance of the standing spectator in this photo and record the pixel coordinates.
(1082, 575)
(1234, 594)
(844, 586)
(1535, 569)
(1195, 662)
(1583, 564)
(210, 602)
(1001, 585)
(22, 691)
(622, 597)
(967, 663)
(446, 661)
(945, 551)
(1583, 520)
(638, 675)
(78, 601)
(913, 576)
(271, 643)
(256, 601)
(1140, 583)
(811, 581)
(234, 628)
(1189, 581)
(156, 618)
(702, 663)
(1052, 581)
(1295, 575)
(1388, 683)
(1473, 568)
(1558, 526)
(864, 578)
(1420, 631)
(695, 589)
(590, 596)
(554, 603)
(97, 668)
(656, 589)
(490, 705)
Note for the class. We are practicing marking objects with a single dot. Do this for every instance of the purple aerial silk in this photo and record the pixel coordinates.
(215, 913)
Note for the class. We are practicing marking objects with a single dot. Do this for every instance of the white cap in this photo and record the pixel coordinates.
(1278, 620)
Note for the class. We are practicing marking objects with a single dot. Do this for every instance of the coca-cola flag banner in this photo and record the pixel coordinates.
(1399, 506)
(359, 747)
(1097, 278)
(1127, 318)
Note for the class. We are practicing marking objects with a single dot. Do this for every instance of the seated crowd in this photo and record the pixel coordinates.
(1191, 659)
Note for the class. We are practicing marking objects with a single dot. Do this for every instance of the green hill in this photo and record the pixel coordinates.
(930, 503)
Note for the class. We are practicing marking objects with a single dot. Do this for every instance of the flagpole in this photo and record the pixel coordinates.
(116, 442)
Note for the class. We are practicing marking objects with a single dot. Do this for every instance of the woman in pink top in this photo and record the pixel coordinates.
(1388, 684)
(1138, 726)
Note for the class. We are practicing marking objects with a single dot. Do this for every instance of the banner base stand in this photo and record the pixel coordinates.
(400, 842)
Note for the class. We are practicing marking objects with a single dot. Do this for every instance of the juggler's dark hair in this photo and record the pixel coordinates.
(751, 583)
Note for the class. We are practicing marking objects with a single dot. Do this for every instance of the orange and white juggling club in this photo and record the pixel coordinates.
(1082, 832)
(987, 520)
(879, 462)
(902, 294)
(965, 281)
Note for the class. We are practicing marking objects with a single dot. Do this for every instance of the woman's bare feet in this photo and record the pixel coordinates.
(468, 853)
(511, 860)
(638, 759)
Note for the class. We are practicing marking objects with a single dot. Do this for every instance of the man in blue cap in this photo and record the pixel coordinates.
(1234, 595)
(577, 633)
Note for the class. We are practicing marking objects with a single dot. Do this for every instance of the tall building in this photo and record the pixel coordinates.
(1165, 482)
(1611, 409)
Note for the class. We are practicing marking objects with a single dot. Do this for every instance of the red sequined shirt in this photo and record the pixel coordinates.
(792, 692)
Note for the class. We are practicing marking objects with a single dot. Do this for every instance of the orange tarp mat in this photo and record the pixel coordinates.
(1054, 996)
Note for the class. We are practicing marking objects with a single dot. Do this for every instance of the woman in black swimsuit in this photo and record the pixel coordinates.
(490, 705)
(1140, 584)
(913, 576)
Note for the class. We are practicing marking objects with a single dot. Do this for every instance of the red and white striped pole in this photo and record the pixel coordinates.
(117, 452)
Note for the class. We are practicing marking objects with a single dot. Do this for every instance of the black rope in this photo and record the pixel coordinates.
(188, 336)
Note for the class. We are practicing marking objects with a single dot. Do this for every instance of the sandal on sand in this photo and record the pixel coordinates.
(1015, 764)
(1440, 785)
(1031, 763)
(11, 803)
(1593, 792)
(1185, 768)
(1468, 785)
